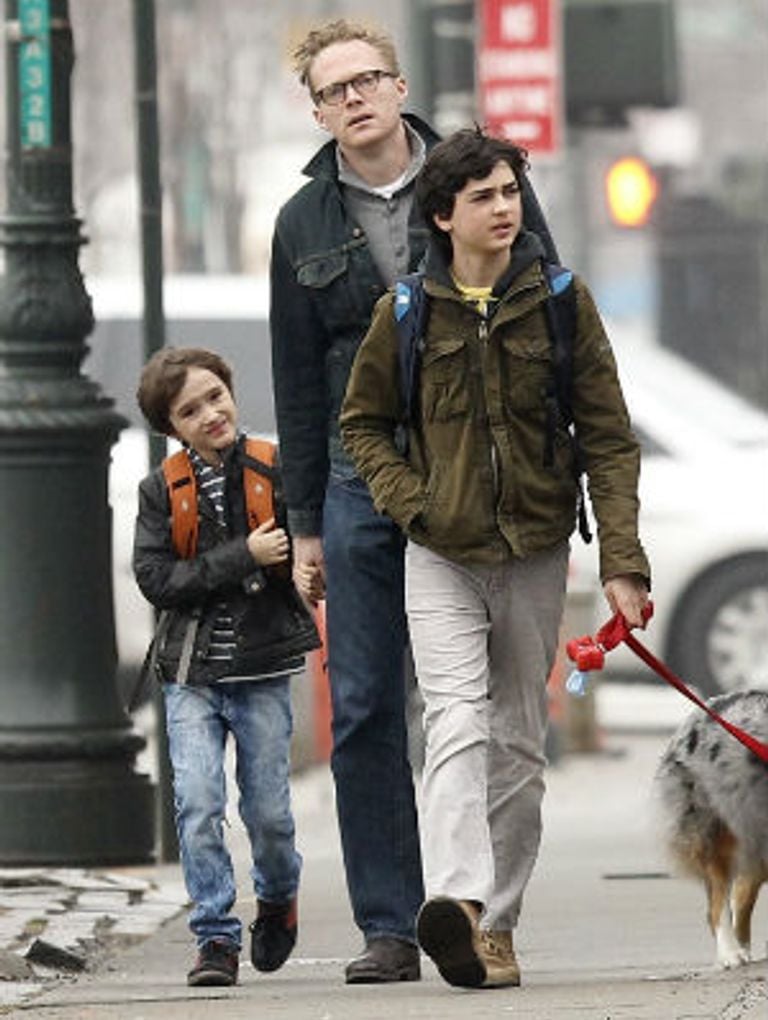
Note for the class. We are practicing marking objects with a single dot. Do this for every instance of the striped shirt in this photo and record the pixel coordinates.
(211, 487)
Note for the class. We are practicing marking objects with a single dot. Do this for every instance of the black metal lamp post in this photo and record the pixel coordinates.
(69, 792)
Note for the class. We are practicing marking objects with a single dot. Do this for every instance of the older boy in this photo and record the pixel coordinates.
(231, 630)
(488, 526)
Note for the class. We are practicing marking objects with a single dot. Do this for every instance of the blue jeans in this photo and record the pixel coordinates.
(258, 715)
(366, 652)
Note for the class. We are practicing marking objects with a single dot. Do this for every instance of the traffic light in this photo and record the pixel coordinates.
(631, 189)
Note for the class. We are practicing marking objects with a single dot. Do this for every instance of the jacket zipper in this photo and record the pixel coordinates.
(483, 333)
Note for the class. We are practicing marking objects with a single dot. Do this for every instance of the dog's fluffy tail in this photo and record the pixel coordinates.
(690, 827)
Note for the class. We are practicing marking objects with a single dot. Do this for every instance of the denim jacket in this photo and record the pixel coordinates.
(324, 285)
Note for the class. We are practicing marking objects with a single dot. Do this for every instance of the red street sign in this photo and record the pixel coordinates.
(519, 72)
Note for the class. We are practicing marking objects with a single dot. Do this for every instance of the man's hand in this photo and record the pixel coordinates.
(268, 545)
(627, 594)
(309, 567)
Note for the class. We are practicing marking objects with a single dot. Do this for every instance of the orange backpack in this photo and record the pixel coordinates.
(258, 486)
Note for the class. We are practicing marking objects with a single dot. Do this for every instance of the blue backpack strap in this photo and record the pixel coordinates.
(561, 321)
(561, 312)
(411, 312)
(558, 277)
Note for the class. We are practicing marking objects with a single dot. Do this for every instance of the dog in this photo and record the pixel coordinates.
(712, 794)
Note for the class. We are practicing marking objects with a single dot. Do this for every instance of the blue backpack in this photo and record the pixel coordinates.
(411, 316)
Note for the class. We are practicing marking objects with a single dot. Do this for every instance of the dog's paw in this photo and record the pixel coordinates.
(728, 961)
(730, 952)
(733, 956)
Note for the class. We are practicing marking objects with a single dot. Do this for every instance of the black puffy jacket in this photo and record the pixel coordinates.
(272, 626)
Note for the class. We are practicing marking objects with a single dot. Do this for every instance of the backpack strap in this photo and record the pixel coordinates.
(262, 485)
(182, 495)
(560, 311)
(260, 476)
(259, 484)
(411, 315)
(561, 314)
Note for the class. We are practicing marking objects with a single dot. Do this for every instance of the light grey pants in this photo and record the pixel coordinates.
(484, 640)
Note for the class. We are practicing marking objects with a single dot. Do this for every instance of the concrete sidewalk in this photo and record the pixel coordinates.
(606, 933)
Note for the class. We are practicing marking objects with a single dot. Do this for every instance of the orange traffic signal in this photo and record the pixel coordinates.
(631, 189)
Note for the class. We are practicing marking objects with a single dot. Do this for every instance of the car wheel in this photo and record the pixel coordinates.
(719, 634)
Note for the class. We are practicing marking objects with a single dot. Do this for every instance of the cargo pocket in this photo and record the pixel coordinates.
(444, 380)
(527, 367)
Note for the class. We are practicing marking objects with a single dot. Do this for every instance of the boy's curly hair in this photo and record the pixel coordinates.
(468, 154)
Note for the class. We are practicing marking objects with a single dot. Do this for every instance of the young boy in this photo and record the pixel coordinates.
(488, 523)
(231, 630)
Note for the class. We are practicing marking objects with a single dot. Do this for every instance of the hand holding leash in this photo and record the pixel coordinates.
(588, 653)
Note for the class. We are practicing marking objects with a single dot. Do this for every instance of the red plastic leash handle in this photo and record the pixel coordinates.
(589, 652)
(617, 629)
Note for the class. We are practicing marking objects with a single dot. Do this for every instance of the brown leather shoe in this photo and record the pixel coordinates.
(448, 933)
(385, 959)
(216, 964)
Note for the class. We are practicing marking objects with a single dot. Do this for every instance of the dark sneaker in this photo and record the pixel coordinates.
(216, 964)
(273, 934)
(384, 959)
(448, 933)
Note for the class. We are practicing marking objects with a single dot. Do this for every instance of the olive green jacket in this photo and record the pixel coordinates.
(473, 487)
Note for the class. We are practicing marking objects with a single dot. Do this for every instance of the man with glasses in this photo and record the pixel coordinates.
(339, 243)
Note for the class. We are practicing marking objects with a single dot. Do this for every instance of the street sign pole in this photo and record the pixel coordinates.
(153, 328)
(520, 73)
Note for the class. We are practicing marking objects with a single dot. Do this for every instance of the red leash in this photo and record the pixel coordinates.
(588, 653)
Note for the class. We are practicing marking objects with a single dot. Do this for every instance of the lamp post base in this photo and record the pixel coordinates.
(75, 814)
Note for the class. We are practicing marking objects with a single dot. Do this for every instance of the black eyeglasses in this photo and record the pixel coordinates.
(365, 84)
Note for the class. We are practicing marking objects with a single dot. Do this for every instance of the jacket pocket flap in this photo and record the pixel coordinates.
(530, 348)
(322, 270)
(445, 347)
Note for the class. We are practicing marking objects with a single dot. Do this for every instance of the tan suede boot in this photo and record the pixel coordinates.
(501, 968)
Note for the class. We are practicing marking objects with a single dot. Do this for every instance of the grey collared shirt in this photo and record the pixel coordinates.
(382, 215)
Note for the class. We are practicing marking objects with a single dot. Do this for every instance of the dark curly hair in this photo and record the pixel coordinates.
(163, 378)
(467, 155)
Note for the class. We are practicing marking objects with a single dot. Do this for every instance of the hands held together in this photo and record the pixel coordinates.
(270, 546)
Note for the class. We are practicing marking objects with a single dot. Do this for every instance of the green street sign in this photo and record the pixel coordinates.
(35, 73)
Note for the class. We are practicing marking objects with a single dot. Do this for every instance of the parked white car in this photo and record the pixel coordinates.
(704, 522)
